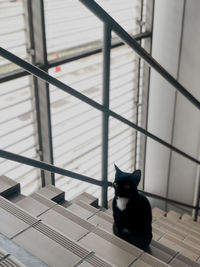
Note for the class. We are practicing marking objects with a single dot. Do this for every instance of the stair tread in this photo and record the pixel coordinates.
(20, 253)
(186, 217)
(53, 193)
(8, 186)
(157, 212)
(161, 251)
(148, 260)
(111, 253)
(89, 241)
(87, 198)
(179, 246)
(100, 221)
(182, 261)
(82, 212)
(180, 234)
(35, 207)
(11, 261)
(173, 215)
(63, 224)
(46, 249)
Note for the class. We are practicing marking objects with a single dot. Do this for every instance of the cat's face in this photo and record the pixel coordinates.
(125, 184)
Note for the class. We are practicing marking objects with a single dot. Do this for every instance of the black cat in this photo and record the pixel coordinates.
(131, 210)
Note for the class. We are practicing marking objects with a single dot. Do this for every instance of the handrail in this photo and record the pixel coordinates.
(54, 169)
(48, 78)
(49, 167)
(106, 18)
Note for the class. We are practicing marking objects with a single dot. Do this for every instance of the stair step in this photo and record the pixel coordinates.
(186, 217)
(158, 250)
(36, 204)
(161, 252)
(13, 219)
(108, 249)
(55, 249)
(82, 209)
(157, 233)
(19, 253)
(147, 260)
(15, 197)
(44, 241)
(173, 215)
(81, 235)
(170, 229)
(99, 219)
(44, 247)
(86, 198)
(52, 193)
(182, 261)
(156, 212)
(181, 247)
(195, 242)
(60, 221)
(76, 228)
(9, 260)
(8, 187)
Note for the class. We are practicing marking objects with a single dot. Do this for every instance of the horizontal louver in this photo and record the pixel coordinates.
(17, 132)
(12, 32)
(71, 27)
(77, 127)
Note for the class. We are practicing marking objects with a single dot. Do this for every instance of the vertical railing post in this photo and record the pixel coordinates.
(105, 116)
(147, 16)
(38, 56)
(195, 212)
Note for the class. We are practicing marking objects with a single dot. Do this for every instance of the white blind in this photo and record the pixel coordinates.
(77, 127)
(17, 123)
(17, 132)
(12, 32)
(71, 27)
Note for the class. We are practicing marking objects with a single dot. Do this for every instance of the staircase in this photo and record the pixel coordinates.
(46, 230)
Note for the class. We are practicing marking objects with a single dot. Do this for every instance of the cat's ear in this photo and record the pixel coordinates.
(118, 171)
(137, 176)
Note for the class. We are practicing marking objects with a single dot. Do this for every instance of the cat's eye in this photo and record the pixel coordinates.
(115, 185)
(127, 186)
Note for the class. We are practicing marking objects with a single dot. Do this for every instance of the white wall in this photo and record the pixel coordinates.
(187, 118)
(164, 107)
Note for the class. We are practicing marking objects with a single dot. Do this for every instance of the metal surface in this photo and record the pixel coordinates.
(46, 77)
(37, 44)
(102, 15)
(49, 167)
(195, 212)
(105, 118)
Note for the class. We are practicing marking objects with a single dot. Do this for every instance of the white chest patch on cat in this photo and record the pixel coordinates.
(122, 202)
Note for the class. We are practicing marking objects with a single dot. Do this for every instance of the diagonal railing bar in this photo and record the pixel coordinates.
(54, 169)
(106, 18)
(46, 77)
(169, 200)
(49, 167)
(69, 58)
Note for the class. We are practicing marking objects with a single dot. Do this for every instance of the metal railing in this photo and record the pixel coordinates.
(109, 25)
